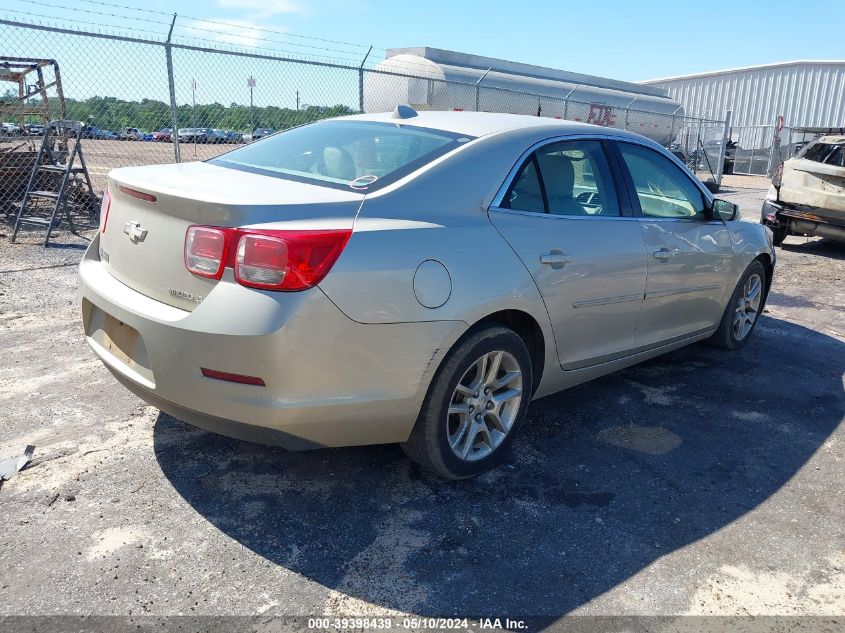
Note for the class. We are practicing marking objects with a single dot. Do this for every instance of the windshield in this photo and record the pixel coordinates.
(342, 154)
(828, 153)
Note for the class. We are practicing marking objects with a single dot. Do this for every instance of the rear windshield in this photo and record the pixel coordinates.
(827, 153)
(343, 154)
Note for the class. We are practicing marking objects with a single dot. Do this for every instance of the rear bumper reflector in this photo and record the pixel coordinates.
(229, 377)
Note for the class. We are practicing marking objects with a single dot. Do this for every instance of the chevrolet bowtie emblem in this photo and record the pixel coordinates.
(135, 231)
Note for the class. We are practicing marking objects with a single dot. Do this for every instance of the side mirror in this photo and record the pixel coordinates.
(724, 210)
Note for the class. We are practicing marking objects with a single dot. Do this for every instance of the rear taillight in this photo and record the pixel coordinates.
(268, 259)
(205, 251)
(777, 176)
(262, 261)
(104, 210)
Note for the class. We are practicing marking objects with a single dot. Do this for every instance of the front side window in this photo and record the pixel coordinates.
(568, 178)
(663, 190)
(340, 154)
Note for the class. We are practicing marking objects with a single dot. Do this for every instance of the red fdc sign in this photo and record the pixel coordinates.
(601, 114)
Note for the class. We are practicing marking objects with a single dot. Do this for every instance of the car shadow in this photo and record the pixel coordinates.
(605, 479)
(821, 247)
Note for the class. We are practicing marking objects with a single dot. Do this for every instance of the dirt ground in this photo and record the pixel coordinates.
(701, 482)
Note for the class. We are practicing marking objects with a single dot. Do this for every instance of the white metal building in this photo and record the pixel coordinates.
(808, 94)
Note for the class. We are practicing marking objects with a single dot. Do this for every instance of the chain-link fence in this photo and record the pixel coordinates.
(156, 100)
(756, 150)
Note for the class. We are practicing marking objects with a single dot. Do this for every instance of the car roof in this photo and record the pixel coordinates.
(832, 140)
(479, 124)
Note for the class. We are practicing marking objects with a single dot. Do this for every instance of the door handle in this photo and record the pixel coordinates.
(555, 259)
(664, 253)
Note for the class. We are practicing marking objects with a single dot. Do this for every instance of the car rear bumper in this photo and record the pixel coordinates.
(805, 220)
(330, 381)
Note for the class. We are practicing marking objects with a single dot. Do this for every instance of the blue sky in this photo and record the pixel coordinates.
(612, 38)
(624, 40)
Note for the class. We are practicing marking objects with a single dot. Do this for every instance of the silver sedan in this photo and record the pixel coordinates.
(410, 278)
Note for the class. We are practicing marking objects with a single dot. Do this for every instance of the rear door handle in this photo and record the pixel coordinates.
(664, 253)
(555, 259)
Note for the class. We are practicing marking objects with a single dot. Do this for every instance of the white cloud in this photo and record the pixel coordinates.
(237, 32)
(263, 8)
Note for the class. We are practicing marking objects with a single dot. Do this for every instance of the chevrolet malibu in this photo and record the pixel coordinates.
(410, 278)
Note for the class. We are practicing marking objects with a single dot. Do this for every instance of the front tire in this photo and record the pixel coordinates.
(743, 310)
(474, 406)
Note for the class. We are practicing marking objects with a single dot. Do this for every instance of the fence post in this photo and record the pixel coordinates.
(770, 168)
(361, 81)
(672, 129)
(723, 150)
(628, 110)
(478, 88)
(174, 118)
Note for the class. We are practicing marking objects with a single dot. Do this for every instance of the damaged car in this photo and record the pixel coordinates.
(807, 195)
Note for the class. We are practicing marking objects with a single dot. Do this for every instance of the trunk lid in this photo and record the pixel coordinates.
(143, 244)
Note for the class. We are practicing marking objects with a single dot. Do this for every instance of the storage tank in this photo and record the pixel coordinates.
(434, 79)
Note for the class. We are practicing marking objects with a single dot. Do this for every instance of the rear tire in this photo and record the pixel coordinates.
(779, 234)
(474, 406)
(743, 310)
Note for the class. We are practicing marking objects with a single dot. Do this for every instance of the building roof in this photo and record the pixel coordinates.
(711, 73)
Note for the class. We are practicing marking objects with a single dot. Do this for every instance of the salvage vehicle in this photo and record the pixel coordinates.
(410, 277)
(807, 194)
(130, 134)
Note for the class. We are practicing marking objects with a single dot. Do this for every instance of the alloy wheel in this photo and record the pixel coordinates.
(748, 306)
(484, 405)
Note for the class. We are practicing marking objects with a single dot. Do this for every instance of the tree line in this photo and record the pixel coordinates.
(111, 113)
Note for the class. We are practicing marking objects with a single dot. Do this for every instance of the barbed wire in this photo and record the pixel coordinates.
(232, 24)
(345, 57)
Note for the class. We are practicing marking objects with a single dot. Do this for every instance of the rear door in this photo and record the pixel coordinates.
(566, 218)
(688, 253)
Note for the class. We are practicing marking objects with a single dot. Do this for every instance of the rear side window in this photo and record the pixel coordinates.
(663, 190)
(340, 154)
(827, 153)
(568, 178)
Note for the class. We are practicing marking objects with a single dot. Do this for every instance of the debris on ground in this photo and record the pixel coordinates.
(10, 467)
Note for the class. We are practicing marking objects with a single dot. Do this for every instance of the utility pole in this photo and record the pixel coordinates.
(250, 82)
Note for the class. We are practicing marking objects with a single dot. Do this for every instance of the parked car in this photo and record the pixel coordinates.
(34, 129)
(807, 194)
(130, 134)
(234, 137)
(93, 132)
(410, 278)
(261, 132)
(164, 135)
(10, 129)
(707, 157)
(201, 135)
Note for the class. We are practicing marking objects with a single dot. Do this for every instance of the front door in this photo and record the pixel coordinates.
(688, 253)
(562, 216)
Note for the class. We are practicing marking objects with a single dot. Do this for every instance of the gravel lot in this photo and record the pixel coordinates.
(702, 482)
